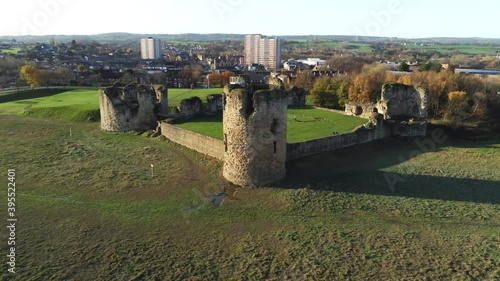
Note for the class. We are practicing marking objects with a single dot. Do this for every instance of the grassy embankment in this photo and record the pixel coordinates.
(88, 209)
(74, 105)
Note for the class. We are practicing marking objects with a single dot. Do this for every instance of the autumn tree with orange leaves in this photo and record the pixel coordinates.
(31, 75)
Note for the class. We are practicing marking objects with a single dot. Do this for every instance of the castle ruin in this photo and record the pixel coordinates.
(132, 107)
(397, 102)
(403, 107)
(254, 149)
(255, 125)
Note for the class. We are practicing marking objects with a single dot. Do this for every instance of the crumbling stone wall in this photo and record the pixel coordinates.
(363, 110)
(407, 129)
(275, 83)
(398, 101)
(401, 102)
(192, 140)
(255, 127)
(190, 107)
(161, 100)
(404, 109)
(127, 108)
(214, 103)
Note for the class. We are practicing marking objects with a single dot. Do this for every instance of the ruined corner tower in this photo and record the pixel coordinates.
(132, 107)
(254, 135)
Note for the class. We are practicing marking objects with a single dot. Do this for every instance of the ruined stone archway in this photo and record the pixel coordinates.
(358, 111)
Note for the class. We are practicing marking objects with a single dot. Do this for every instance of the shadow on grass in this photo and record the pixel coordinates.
(29, 94)
(360, 170)
(215, 117)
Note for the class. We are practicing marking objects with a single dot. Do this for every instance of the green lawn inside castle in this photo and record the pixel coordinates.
(303, 123)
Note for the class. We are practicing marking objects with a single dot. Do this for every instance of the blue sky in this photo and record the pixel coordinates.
(395, 18)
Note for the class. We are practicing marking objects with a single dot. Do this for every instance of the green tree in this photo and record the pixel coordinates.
(404, 67)
(322, 94)
(304, 80)
(81, 68)
(431, 66)
(331, 92)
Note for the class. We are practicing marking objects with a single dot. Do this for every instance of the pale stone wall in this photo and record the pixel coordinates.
(129, 108)
(399, 100)
(363, 110)
(214, 103)
(192, 140)
(190, 107)
(254, 136)
(161, 100)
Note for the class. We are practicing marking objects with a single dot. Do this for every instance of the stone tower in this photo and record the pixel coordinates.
(128, 108)
(254, 135)
(161, 100)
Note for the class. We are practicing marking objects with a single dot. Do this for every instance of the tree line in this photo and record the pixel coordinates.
(455, 97)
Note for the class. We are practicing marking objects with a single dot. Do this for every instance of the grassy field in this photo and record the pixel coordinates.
(303, 124)
(365, 47)
(75, 105)
(302, 43)
(175, 96)
(307, 123)
(465, 49)
(11, 51)
(90, 208)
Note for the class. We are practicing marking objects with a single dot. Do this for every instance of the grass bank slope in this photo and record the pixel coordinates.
(63, 104)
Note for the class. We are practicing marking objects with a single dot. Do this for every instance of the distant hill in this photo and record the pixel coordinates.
(194, 37)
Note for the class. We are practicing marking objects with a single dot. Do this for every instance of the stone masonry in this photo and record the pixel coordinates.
(131, 107)
(401, 101)
(214, 103)
(255, 125)
(398, 102)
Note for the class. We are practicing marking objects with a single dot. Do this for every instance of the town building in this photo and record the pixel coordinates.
(151, 49)
(262, 50)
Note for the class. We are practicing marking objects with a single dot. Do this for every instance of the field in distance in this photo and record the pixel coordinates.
(368, 48)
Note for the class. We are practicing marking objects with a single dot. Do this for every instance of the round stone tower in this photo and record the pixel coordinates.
(254, 135)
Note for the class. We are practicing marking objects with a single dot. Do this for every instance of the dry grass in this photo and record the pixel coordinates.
(89, 210)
